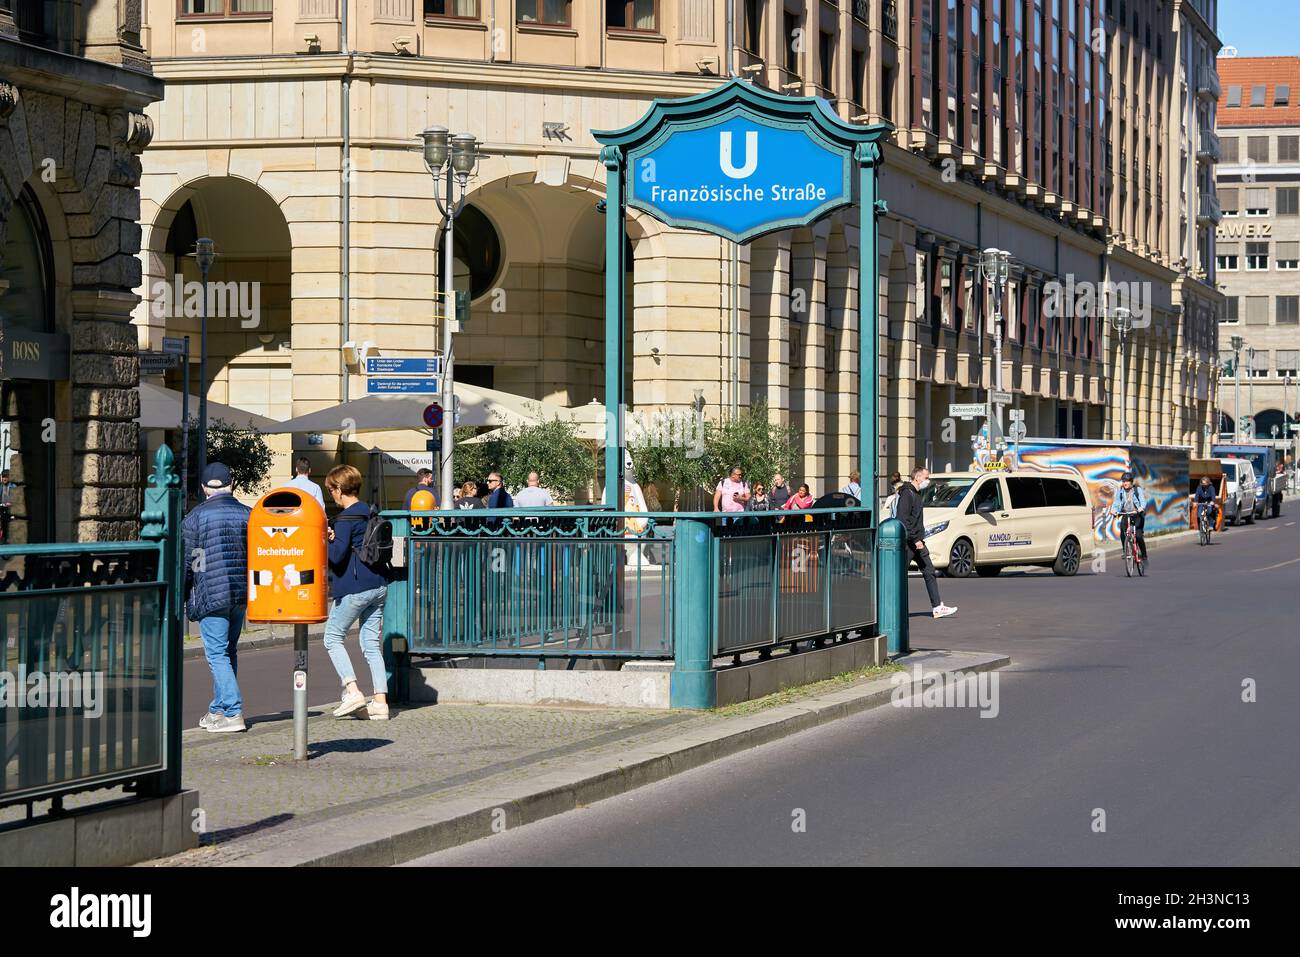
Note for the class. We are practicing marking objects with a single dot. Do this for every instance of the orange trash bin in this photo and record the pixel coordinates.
(421, 501)
(287, 575)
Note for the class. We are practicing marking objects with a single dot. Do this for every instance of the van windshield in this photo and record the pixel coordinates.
(1230, 470)
(946, 492)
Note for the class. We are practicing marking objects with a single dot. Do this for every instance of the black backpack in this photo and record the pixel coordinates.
(376, 548)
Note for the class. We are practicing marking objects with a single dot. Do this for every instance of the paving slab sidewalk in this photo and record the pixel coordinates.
(436, 776)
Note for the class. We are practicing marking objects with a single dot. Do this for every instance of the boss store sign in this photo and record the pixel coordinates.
(33, 355)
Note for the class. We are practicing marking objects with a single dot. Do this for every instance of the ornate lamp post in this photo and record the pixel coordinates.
(450, 161)
(1122, 320)
(995, 265)
(205, 253)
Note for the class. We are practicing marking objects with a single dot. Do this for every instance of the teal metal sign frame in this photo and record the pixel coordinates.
(748, 108)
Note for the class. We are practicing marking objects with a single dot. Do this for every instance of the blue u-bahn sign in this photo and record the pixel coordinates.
(739, 175)
(741, 161)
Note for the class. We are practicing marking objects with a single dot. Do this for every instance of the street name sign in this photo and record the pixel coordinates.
(156, 363)
(403, 365)
(174, 345)
(400, 386)
(966, 410)
(1000, 398)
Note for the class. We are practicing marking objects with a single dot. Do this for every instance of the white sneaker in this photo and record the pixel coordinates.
(207, 720)
(943, 611)
(377, 711)
(351, 702)
(220, 724)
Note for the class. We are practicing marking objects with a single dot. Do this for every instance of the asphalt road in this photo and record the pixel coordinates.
(1124, 698)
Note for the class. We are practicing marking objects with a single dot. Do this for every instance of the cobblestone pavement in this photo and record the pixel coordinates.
(253, 795)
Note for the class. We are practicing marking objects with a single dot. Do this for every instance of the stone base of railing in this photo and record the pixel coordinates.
(637, 684)
(110, 834)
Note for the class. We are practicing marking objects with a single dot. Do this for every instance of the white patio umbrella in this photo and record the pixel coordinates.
(394, 413)
(160, 408)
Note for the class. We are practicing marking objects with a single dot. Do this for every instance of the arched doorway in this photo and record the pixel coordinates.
(1265, 422)
(27, 449)
(249, 297)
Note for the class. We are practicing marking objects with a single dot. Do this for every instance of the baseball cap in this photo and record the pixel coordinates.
(216, 475)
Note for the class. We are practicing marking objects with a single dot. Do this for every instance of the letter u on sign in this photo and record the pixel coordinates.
(751, 155)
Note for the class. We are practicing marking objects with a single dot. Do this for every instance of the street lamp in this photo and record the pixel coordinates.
(205, 253)
(1236, 342)
(1122, 320)
(451, 159)
(995, 265)
(1250, 387)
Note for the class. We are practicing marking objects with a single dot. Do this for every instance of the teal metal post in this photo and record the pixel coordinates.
(161, 522)
(891, 576)
(692, 684)
(612, 157)
(868, 157)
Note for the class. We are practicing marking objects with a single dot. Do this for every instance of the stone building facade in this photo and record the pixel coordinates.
(74, 85)
(1259, 242)
(1001, 111)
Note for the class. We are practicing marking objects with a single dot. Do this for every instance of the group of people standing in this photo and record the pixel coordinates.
(734, 494)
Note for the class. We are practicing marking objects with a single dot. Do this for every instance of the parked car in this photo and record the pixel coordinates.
(1239, 495)
(978, 523)
(1263, 461)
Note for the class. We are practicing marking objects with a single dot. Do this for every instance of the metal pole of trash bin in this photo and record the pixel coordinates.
(300, 692)
(893, 616)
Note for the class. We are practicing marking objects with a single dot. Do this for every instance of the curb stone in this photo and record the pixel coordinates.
(405, 832)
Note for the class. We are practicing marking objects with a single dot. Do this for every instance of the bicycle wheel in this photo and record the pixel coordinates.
(1128, 559)
(1141, 565)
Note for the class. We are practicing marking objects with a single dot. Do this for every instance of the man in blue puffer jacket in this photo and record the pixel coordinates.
(215, 537)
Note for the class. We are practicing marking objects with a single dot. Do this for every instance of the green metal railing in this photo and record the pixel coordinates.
(564, 582)
(89, 660)
(535, 582)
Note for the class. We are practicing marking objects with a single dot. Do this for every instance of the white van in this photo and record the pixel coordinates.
(1239, 493)
(983, 522)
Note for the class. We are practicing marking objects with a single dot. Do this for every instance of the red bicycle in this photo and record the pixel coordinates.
(1132, 553)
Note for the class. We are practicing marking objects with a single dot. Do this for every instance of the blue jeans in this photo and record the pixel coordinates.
(220, 632)
(368, 607)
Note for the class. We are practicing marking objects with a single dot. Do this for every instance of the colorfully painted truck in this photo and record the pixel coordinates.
(1161, 470)
(1268, 494)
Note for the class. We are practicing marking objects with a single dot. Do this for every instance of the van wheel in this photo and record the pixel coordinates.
(961, 560)
(1067, 559)
(988, 571)
(1250, 515)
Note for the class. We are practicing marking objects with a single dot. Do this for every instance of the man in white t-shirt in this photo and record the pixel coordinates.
(301, 471)
(533, 495)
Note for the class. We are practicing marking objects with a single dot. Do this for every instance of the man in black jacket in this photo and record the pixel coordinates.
(911, 513)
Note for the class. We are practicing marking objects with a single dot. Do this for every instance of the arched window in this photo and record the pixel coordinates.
(477, 251)
(26, 264)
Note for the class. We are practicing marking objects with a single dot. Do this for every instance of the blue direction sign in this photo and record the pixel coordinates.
(409, 386)
(740, 175)
(402, 365)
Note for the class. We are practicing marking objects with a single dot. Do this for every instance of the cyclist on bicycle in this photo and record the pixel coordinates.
(1205, 498)
(1131, 505)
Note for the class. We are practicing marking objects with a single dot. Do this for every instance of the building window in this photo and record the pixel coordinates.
(550, 12)
(224, 8)
(1228, 145)
(1257, 364)
(1256, 255)
(1288, 310)
(753, 26)
(1230, 305)
(1234, 96)
(1257, 149)
(1226, 258)
(1288, 363)
(1288, 255)
(791, 21)
(451, 9)
(858, 66)
(826, 58)
(1288, 200)
(1288, 149)
(1228, 199)
(476, 249)
(1257, 96)
(639, 15)
(1257, 310)
(1282, 94)
(1256, 200)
